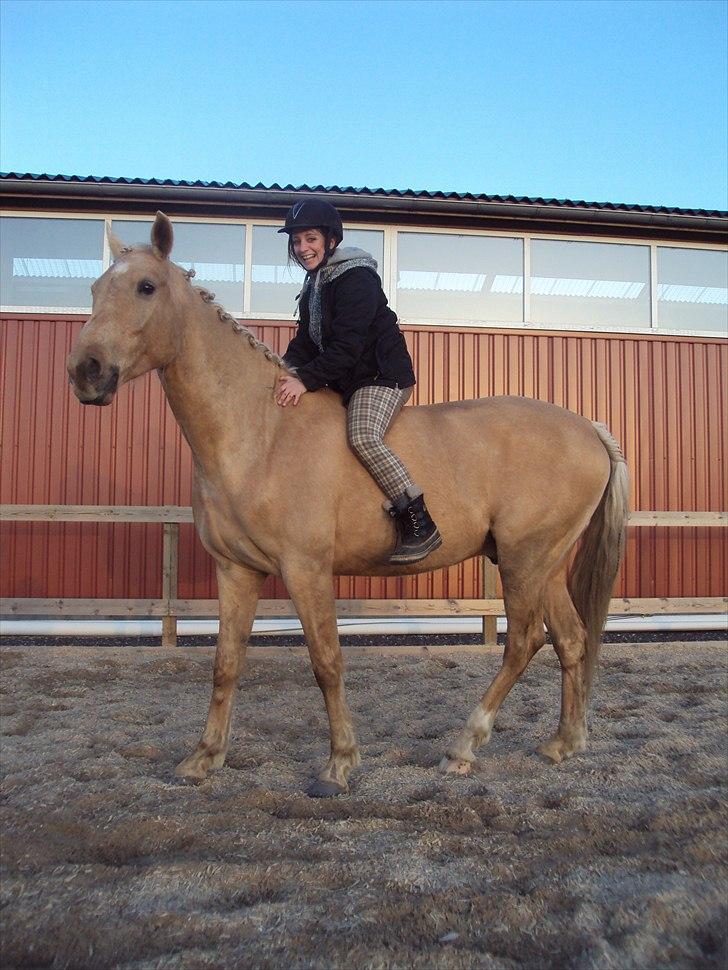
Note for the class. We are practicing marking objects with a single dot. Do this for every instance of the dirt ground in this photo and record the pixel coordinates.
(615, 859)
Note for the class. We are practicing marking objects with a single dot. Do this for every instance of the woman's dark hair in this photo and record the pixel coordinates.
(329, 237)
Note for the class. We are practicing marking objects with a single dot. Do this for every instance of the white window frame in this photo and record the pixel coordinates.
(388, 271)
(612, 241)
(452, 321)
(45, 214)
(527, 237)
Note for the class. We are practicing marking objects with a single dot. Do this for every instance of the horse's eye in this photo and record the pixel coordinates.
(146, 288)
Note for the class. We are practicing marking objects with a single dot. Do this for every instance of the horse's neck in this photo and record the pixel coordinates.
(220, 389)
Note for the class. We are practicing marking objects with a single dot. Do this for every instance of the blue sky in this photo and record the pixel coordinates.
(604, 101)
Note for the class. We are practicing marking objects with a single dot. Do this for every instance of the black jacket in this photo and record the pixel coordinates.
(361, 339)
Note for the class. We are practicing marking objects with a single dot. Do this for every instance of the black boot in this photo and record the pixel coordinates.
(417, 534)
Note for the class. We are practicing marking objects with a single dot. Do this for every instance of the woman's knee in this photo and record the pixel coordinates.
(362, 441)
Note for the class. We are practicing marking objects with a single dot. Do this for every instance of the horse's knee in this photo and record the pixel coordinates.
(224, 679)
(524, 642)
(570, 651)
(328, 673)
(226, 670)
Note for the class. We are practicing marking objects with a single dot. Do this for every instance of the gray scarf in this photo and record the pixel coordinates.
(341, 260)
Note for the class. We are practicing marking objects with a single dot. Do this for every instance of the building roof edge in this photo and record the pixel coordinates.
(389, 201)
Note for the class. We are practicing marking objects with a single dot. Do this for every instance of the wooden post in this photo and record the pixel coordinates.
(170, 550)
(490, 628)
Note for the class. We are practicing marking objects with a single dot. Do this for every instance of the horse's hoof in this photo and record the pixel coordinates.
(190, 777)
(325, 789)
(185, 781)
(455, 766)
(191, 770)
(551, 750)
(557, 749)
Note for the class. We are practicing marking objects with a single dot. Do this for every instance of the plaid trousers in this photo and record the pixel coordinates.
(370, 412)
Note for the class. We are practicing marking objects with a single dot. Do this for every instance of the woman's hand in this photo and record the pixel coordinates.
(289, 390)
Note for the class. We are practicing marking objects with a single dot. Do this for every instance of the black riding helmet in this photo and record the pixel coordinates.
(314, 214)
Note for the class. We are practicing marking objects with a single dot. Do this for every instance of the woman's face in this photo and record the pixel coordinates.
(309, 248)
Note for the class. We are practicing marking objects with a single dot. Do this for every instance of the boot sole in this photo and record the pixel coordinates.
(405, 559)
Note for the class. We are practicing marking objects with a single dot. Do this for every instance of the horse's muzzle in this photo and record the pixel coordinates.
(92, 382)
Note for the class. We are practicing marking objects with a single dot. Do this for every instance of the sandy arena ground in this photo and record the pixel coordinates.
(615, 859)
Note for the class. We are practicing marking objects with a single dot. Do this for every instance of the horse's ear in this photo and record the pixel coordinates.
(162, 235)
(115, 245)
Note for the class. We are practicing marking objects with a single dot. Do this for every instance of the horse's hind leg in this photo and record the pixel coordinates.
(569, 637)
(310, 589)
(524, 639)
(239, 589)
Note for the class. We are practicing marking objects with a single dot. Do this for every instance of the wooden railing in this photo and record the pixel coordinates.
(170, 608)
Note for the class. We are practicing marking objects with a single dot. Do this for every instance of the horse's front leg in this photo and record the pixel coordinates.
(310, 589)
(239, 589)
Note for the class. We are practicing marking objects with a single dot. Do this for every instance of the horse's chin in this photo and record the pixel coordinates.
(102, 401)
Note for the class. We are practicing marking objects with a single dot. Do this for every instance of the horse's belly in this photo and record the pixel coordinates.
(442, 557)
(364, 550)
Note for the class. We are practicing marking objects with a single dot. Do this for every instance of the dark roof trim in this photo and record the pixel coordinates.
(450, 204)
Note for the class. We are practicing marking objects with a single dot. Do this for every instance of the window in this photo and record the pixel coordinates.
(692, 289)
(371, 241)
(49, 263)
(276, 283)
(442, 276)
(590, 284)
(215, 252)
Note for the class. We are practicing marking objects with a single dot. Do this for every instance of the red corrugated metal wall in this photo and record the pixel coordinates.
(664, 398)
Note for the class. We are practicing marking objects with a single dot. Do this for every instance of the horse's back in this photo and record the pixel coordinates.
(504, 465)
(515, 435)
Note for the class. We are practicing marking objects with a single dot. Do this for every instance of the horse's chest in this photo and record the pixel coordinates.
(227, 534)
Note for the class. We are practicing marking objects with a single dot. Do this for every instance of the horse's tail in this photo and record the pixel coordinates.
(591, 577)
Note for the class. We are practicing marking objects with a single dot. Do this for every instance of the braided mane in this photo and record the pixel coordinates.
(226, 317)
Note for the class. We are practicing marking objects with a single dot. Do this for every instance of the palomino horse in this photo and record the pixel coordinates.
(278, 492)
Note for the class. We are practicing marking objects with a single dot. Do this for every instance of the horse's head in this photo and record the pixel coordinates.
(131, 329)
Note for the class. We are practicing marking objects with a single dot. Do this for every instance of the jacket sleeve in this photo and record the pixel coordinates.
(354, 309)
(301, 349)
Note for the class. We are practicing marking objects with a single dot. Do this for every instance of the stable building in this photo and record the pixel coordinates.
(618, 312)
